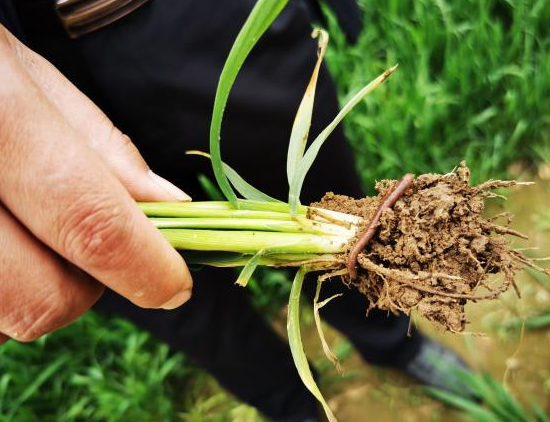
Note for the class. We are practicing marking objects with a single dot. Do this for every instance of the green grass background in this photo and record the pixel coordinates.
(473, 83)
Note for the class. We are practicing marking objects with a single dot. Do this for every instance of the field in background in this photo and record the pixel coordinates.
(473, 83)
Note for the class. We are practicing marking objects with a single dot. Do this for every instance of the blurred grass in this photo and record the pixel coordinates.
(102, 368)
(97, 369)
(492, 401)
(473, 83)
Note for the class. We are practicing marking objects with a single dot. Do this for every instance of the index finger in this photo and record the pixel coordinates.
(64, 193)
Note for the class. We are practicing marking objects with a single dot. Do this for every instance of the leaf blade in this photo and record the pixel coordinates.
(313, 150)
(242, 186)
(209, 188)
(249, 268)
(302, 121)
(474, 410)
(246, 189)
(295, 342)
(261, 17)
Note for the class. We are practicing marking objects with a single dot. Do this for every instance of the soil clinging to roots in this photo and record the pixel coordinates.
(433, 250)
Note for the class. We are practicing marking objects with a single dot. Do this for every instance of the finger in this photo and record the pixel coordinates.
(65, 194)
(40, 292)
(3, 338)
(116, 149)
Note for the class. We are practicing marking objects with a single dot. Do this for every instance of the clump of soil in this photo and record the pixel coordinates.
(434, 250)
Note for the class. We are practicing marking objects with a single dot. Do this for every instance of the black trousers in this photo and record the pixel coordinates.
(155, 74)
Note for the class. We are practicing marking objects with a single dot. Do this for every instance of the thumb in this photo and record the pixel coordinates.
(115, 148)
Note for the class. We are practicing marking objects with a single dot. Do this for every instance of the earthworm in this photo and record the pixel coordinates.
(401, 187)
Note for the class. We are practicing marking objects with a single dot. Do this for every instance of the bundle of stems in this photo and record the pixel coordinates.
(213, 233)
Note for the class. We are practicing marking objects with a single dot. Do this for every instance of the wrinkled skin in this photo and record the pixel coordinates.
(69, 225)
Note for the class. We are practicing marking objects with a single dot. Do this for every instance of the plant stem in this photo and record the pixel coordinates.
(298, 226)
(253, 241)
(210, 231)
(161, 208)
(233, 259)
(183, 210)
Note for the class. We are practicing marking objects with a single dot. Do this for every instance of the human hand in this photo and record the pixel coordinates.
(68, 223)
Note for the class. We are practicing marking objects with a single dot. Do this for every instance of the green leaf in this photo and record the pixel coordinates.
(507, 407)
(261, 17)
(302, 122)
(473, 410)
(34, 386)
(540, 279)
(209, 188)
(253, 263)
(313, 150)
(534, 322)
(539, 413)
(5, 380)
(295, 341)
(249, 268)
(243, 187)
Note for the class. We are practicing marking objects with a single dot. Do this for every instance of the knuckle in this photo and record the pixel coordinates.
(126, 148)
(96, 234)
(3, 35)
(123, 139)
(12, 76)
(51, 313)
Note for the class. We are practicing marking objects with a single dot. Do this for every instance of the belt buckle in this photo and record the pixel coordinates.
(80, 17)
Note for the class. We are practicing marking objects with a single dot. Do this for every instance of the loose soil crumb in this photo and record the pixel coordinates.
(434, 250)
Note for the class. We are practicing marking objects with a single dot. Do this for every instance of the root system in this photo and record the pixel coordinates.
(433, 250)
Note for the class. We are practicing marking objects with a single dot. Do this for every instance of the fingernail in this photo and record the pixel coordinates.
(177, 300)
(168, 187)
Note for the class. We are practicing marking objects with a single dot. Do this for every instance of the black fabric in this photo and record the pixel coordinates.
(42, 31)
(349, 17)
(155, 74)
(8, 18)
